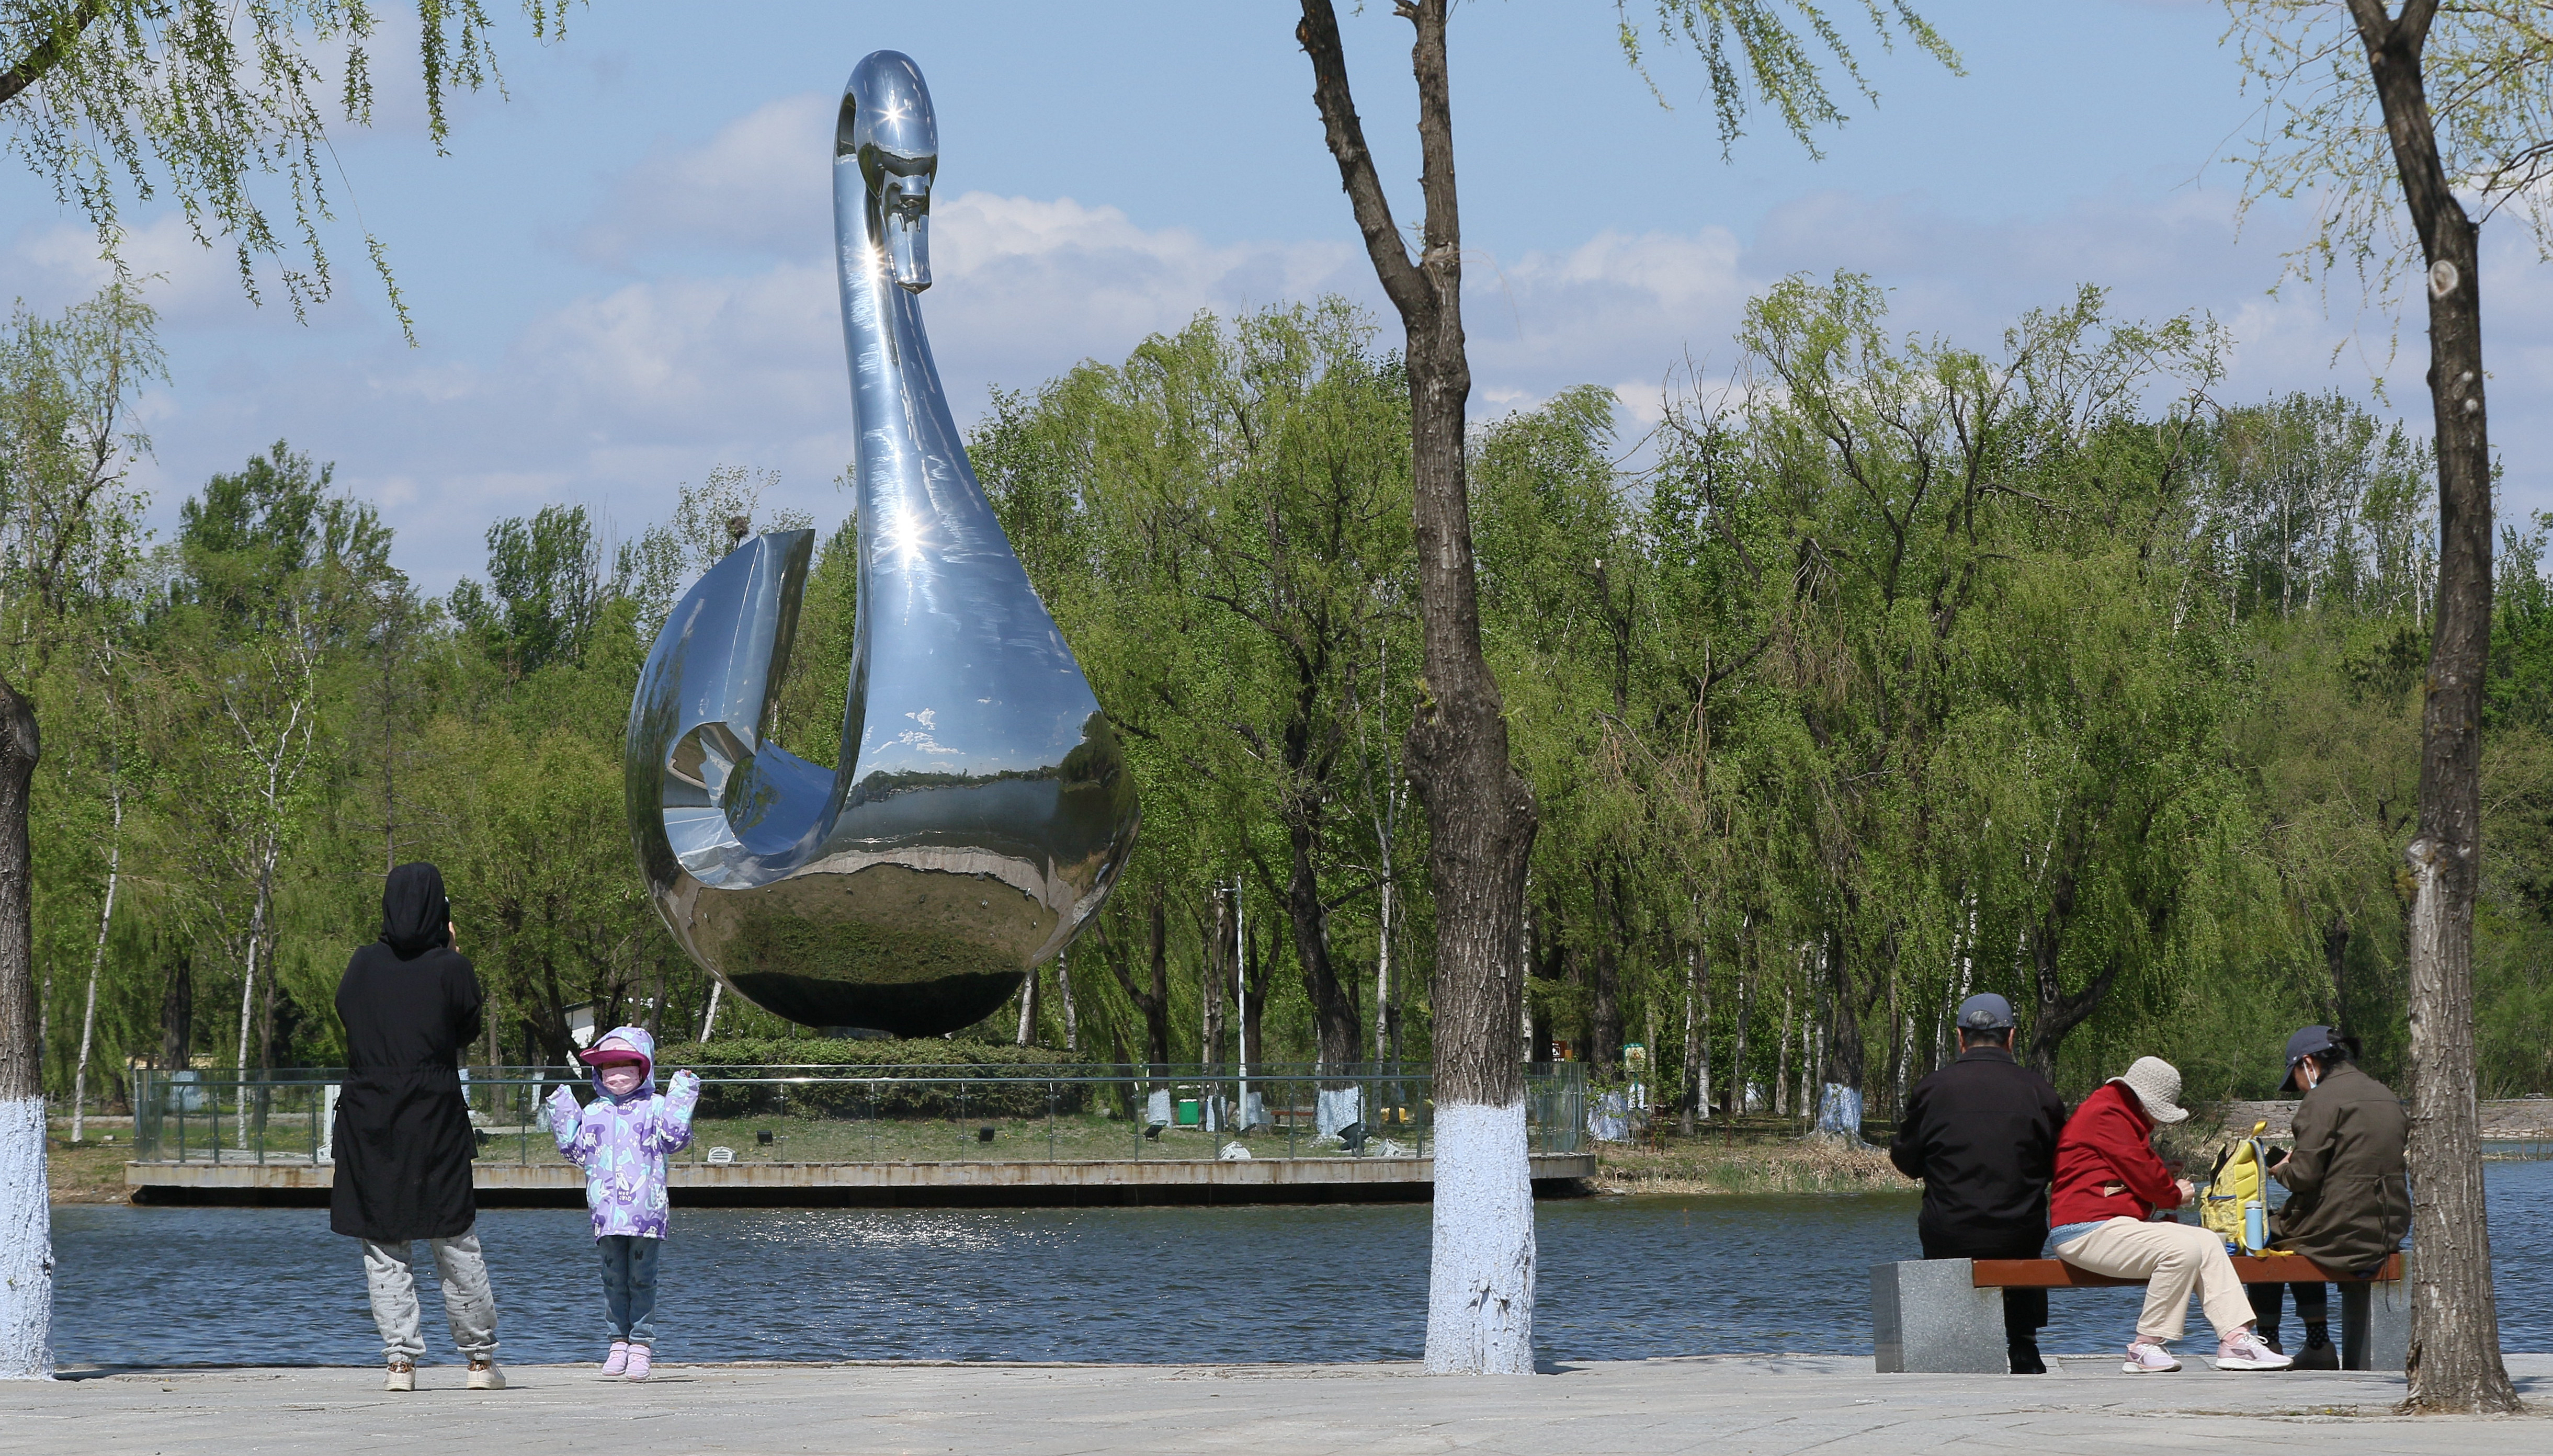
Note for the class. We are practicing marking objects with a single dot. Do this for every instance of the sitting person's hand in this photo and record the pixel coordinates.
(2188, 1189)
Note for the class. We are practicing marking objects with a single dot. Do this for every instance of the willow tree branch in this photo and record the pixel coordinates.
(48, 52)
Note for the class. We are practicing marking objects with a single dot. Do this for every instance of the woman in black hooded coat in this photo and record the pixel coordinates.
(412, 1007)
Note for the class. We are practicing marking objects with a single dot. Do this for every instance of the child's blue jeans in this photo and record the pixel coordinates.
(630, 1286)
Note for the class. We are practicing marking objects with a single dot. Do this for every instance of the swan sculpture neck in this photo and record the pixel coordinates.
(979, 809)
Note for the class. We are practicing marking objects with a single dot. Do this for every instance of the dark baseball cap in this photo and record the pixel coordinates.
(2313, 1041)
(1986, 1012)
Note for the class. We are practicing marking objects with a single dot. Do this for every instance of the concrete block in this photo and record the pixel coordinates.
(2376, 1324)
(1926, 1317)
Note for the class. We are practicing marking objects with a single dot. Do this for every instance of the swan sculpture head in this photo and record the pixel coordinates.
(886, 125)
(980, 808)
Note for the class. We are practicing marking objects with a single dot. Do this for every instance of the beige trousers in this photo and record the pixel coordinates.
(2170, 1258)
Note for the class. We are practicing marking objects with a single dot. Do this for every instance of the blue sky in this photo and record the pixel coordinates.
(619, 273)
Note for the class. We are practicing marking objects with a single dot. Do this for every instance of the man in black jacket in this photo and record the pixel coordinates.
(1981, 1133)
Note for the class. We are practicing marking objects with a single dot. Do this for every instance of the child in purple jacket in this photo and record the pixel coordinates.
(620, 1140)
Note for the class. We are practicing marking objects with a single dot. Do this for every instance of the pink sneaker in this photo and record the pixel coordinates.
(619, 1360)
(2147, 1358)
(2245, 1350)
(637, 1369)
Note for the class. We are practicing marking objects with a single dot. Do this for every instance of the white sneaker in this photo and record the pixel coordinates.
(2147, 1358)
(401, 1377)
(484, 1376)
(2245, 1350)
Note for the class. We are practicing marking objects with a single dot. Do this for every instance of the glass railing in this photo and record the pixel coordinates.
(889, 1114)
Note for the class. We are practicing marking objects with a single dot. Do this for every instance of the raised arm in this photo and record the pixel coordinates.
(674, 1122)
(576, 1141)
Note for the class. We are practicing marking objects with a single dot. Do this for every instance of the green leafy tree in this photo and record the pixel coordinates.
(2369, 95)
(113, 101)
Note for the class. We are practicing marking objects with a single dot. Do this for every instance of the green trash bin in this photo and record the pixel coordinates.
(1187, 1112)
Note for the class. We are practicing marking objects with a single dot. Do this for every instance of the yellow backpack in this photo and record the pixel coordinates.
(2236, 1205)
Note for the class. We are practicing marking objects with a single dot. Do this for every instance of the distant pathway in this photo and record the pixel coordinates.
(1727, 1406)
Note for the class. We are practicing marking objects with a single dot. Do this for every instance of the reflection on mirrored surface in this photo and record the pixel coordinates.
(981, 808)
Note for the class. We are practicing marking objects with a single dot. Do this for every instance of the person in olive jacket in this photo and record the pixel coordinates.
(1981, 1133)
(2349, 1203)
(410, 1005)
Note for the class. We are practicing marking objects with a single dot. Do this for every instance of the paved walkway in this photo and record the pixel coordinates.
(1726, 1406)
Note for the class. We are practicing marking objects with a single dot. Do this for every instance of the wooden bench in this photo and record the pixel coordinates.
(2252, 1269)
(1946, 1315)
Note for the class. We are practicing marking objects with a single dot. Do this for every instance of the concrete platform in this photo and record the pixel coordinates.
(1147, 1181)
(1724, 1406)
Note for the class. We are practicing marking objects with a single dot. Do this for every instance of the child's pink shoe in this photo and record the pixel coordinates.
(619, 1360)
(637, 1363)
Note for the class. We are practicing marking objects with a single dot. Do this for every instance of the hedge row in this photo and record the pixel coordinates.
(932, 1056)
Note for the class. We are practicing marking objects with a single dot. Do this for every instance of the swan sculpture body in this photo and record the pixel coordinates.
(981, 808)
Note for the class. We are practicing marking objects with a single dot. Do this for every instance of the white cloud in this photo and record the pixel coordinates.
(613, 398)
(760, 184)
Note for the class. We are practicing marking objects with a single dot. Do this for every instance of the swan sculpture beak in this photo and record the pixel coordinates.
(980, 808)
(905, 208)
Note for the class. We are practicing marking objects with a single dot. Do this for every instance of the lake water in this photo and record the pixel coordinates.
(1620, 1279)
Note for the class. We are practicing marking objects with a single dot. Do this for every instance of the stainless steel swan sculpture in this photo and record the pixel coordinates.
(981, 808)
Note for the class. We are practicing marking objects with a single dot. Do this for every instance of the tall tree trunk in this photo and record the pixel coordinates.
(1781, 1057)
(1217, 978)
(1386, 1017)
(2455, 1363)
(1605, 1028)
(1732, 1095)
(1334, 1014)
(1071, 1018)
(1842, 1070)
(1157, 1006)
(25, 1213)
(97, 957)
(1544, 960)
(1480, 809)
(177, 1013)
(1697, 1060)
(1151, 1000)
(1028, 1006)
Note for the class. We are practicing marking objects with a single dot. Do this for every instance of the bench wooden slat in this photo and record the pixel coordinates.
(2057, 1274)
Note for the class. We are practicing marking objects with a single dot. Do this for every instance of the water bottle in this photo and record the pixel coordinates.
(2255, 1224)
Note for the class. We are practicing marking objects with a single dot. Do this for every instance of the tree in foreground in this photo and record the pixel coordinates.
(2432, 103)
(1480, 814)
(66, 387)
(100, 98)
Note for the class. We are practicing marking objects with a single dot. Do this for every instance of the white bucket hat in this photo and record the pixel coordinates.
(2156, 1083)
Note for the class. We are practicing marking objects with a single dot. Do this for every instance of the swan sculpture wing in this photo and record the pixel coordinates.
(981, 808)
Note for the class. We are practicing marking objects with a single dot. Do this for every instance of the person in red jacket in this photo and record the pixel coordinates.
(2109, 1187)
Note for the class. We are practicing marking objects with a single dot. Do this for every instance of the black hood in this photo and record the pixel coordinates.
(416, 916)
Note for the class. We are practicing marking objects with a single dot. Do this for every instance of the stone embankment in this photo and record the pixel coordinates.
(2508, 1120)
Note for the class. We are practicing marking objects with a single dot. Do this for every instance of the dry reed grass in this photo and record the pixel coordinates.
(1800, 1165)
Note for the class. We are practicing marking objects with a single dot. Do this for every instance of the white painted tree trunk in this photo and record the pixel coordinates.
(1480, 1297)
(26, 1244)
(709, 1019)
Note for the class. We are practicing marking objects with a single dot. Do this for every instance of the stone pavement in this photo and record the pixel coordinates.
(1724, 1405)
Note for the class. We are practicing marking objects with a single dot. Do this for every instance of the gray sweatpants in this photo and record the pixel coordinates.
(467, 1302)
